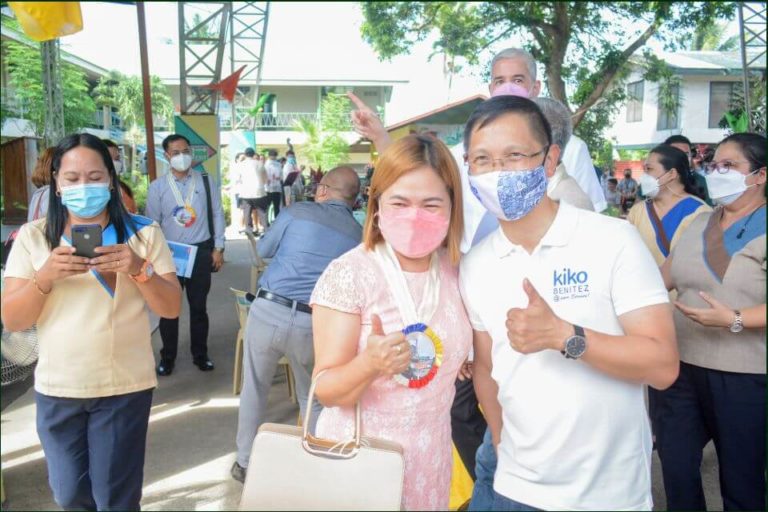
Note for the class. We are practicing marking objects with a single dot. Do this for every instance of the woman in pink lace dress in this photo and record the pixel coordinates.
(404, 274)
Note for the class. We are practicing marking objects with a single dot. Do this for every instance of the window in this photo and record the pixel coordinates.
(719, 100)
(668, 114)
(635, 101)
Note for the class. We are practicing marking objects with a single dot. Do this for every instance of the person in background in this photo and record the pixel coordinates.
(253, 192)
(612, 195)
(294, 187)
(234, 188)
(402, 278)
(114, 152)
(628, 189)
(718, 271)
(561, 186)
(682, 143)
(94, 377)
(126, 195)
(41, 178)
(569, 321)
(274, 182)
(179, 202)
(303, 240)
(672, 202)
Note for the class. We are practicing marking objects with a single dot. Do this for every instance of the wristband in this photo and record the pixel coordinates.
(39, 290)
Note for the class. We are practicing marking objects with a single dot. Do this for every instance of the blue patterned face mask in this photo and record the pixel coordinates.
(510, 195)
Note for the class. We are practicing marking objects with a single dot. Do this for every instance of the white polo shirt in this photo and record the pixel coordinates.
(573, 438)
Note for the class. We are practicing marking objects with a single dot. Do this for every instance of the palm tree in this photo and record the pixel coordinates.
(126, 94)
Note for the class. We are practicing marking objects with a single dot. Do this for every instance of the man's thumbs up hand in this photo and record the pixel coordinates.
(535, 327)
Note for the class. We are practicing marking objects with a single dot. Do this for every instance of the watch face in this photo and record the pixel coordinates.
(737, 327)
(575, 346)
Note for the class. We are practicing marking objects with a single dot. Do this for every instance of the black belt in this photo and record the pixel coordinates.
(283, 301)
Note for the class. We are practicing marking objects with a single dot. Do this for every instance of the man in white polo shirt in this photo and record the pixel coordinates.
(570, 319)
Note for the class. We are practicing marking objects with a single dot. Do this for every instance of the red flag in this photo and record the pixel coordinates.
(228, 86)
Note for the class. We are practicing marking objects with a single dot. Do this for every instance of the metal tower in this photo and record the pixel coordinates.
(752, 35)
(201, 53)
(247, 37)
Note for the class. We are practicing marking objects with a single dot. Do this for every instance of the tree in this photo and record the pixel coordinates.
(575, 41)
(25, 75)
(126, 95)
(325, 147)
(711, 37)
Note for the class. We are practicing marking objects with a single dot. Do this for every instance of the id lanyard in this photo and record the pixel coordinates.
(183, 213)
(426, 346)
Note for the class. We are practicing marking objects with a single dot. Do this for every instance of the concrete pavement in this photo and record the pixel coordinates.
(191, 443)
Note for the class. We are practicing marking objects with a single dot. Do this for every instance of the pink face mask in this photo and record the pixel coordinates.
(510, 89)
(413, 232)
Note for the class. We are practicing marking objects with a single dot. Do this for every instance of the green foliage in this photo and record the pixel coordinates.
(25, 75)
(602, 155)
(736, 120)
(711, 37)
(656, 70)
(575, 41)
(325, 147)
(126, 95)
(139, 185)
(632, 154)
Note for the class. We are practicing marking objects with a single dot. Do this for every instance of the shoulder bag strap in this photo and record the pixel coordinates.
(208, 202)
(658, 225)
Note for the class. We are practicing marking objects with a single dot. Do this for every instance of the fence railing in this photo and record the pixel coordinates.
(269, 121)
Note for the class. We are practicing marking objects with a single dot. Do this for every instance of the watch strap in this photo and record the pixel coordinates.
(577, 331)
(143, 276)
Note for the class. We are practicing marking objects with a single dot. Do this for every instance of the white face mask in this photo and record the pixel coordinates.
(727, 187)
(118, 166)
(181, 162)
(649, 185)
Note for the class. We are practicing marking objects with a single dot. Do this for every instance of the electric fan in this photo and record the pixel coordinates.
(19, 355)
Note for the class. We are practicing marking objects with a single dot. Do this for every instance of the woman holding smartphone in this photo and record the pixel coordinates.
(95, 375)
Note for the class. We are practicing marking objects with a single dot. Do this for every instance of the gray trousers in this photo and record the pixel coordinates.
(272, 331)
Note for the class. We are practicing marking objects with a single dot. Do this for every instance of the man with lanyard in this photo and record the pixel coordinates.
(187, 205)
(303, 240)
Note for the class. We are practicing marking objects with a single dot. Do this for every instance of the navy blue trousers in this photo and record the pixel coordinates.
(94, 449)
(728, 409)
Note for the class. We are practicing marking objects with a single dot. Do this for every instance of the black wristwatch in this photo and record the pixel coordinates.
(575, 345)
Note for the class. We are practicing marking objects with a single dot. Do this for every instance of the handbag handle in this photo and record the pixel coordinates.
(327, 447)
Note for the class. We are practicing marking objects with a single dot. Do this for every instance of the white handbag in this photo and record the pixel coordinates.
(290, 469)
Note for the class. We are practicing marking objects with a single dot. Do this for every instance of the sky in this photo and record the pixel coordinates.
(312, 39)
(304, 39)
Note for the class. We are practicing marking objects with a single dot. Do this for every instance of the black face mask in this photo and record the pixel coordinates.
(627, 176)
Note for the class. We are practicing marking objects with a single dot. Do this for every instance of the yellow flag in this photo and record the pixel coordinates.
(43, 21)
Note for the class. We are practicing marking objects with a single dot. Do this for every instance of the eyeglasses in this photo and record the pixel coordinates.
(722, 167)
(484, 163)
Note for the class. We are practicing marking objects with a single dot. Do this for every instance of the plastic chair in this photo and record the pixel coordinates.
(242, 305)
(258, 264)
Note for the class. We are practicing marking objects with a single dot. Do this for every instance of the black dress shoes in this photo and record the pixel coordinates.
(204, 364)
(238, 472)
(165, 367)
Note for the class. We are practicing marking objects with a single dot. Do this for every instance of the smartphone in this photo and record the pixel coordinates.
(86, 238)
